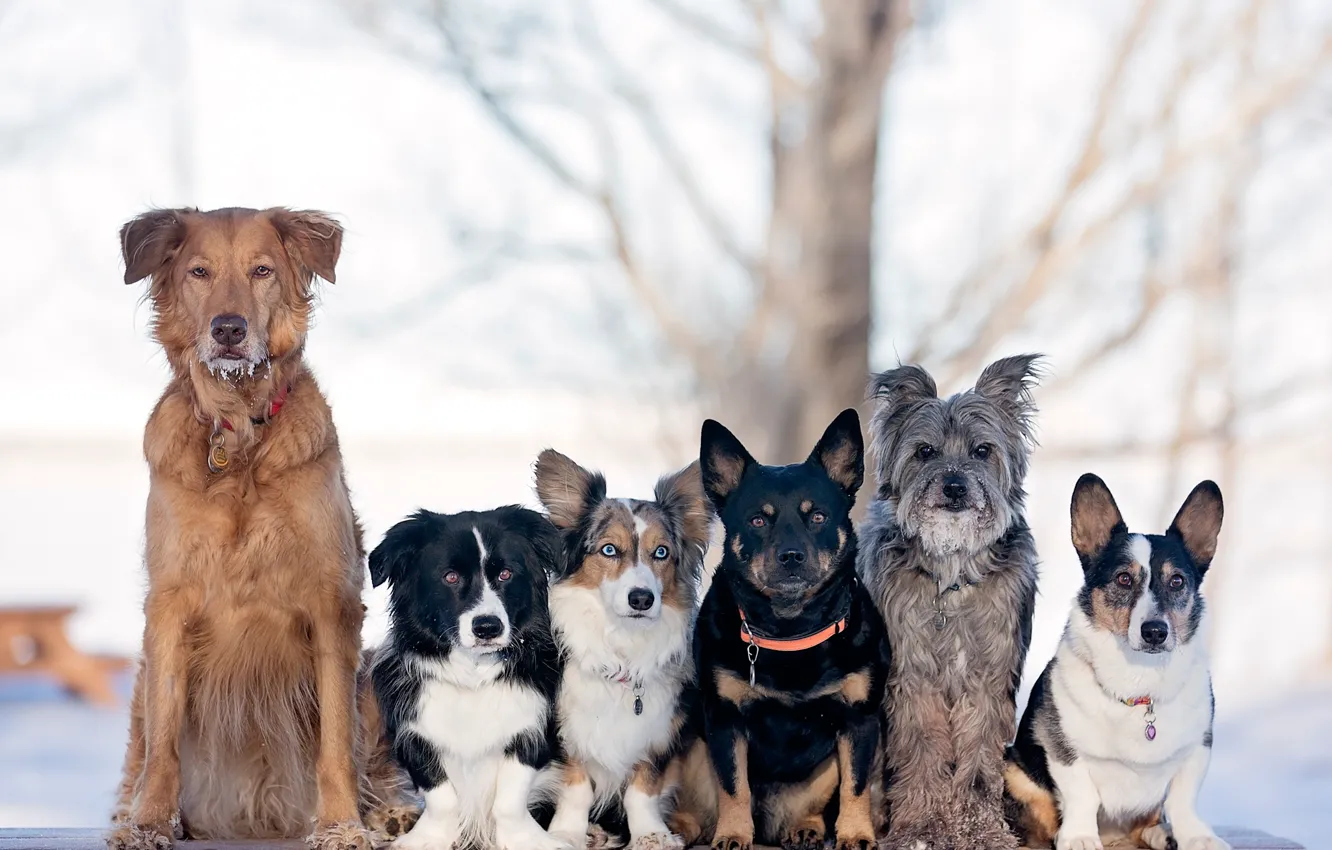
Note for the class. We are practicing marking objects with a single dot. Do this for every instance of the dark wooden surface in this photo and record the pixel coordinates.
(91, 839)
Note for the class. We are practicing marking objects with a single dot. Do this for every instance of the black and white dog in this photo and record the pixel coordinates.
(1119, 726)
(468, 677)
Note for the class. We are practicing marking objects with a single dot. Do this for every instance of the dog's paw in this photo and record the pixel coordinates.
(348, 835)
(733, 842)
(657, 841)
(804, 837)
(1078, 842)
(855, 843)
(133, 836)
(391, 822)
(599, 839)
(520, 835)
(1200, 841)
(1156, 837)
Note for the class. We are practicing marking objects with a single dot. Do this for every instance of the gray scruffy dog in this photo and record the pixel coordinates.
(948, 557)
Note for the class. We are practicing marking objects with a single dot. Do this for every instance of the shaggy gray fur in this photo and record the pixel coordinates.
(957, 653)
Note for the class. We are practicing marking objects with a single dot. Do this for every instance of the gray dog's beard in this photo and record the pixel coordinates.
(954, 543)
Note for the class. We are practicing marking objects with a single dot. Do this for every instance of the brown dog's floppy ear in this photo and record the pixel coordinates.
(722, 462)
(841, 452)
(1096, 519)
(681, 494)
(1198, 523)
(312, 238)
(566, 489)
(150, 241)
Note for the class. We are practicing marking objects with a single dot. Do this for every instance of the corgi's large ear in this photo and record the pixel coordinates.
(1096, 519)
(402, 544)
(567, 490)
(841, 452)
(681, 495)
(150, 241)
(722, 461)
(1198, 523)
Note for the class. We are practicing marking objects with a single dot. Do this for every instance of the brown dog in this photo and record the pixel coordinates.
(247, 717)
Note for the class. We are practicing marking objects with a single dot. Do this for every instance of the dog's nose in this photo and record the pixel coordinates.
(954, 487)
(229, 329)
(487, 627)
(1155, 632)
(641, 599)
(791, 558)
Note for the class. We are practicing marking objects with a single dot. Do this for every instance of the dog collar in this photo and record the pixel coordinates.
(795, 644)
(217, 450)
(1133, 702)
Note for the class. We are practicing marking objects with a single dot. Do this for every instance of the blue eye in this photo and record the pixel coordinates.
(609, 550)
(661, 553)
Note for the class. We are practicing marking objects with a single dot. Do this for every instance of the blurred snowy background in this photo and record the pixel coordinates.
(590, 223)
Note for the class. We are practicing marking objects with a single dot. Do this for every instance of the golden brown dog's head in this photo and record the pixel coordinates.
(231, 288)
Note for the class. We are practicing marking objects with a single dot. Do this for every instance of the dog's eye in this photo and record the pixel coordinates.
(758, 521)
(451, 577)
(262, 271)
(609, 550)
(981, 452)
(925, 451)
(1176, 581)
(661, 553)
(199, 271)
(1124, 580)
(818, 517)
(505, 575)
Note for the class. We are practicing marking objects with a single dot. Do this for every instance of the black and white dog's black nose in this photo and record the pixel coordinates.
(487, 627)
(1155, 632)
(641, 599)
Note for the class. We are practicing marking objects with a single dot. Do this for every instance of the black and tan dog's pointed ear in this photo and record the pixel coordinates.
(681, 495)
(841, 452)
(722, 461)
(150, 241)
(313, 239)
(1198, 523)
(1096, 519)
(567, 490)
(399, 549)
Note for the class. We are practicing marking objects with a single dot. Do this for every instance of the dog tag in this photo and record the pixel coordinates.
(638, 704)
(217, 451)
(940, 620)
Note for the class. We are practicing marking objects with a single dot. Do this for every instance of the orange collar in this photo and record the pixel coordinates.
(789, 644)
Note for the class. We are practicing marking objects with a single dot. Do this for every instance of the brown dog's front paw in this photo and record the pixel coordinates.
(733, 842)
(348, 835)
(391, 821)
(134, 836)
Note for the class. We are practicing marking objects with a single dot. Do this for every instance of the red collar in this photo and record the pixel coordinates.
(790, 644)
(273, 407)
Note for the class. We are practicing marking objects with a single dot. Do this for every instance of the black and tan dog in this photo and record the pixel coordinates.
(790, 654)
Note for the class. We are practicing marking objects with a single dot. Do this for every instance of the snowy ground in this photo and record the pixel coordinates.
(1272, 768)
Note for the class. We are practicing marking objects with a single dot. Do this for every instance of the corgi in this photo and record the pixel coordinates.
(1117, 732)
(467, 678)
(622, 606)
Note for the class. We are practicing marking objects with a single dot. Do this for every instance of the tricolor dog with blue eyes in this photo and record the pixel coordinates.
(467, 678)
(1118, 729)
(790, 652)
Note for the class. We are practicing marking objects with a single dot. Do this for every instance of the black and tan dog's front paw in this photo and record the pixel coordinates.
(854, 840)
(806, 836)
(733, 842)
(348, 835)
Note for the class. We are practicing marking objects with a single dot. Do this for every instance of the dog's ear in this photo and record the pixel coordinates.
(1198, 523)
(1096, 519)
(313, 239)
(542, 536)
(400, 548)
(905, 385)
(150, 241)
(722, 462)
(841, 452)
(566, 489)
(1009, 383)
(681, 495)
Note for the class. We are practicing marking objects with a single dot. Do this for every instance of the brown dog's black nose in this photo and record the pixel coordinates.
(1155, 632)
(641, 599)
(229, 330)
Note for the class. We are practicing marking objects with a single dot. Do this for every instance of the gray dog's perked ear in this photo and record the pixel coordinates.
(841, 452)
(722, 460)
(902, 386)
(1009, 382)
(1198, 523)
(1096, 519)
(566, 489)
(150, 241)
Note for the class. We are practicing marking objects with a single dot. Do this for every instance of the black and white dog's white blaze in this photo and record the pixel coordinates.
(1117, 734)
(467, 678)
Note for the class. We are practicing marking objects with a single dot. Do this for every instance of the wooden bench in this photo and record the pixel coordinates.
(92, 839)
(34, 640)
